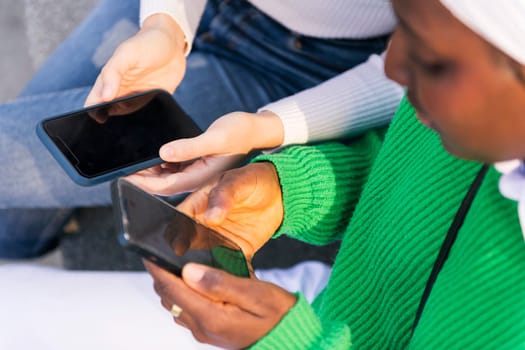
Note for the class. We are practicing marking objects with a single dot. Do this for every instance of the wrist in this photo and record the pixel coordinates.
(166, 24)
(269, 130)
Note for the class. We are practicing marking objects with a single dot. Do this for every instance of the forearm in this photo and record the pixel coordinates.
(349, 104)
(185, 13)
(321, 185)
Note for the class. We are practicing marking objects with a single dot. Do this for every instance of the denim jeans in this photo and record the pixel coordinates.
(241, 60)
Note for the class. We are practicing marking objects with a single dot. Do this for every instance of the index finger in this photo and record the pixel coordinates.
(209, 143)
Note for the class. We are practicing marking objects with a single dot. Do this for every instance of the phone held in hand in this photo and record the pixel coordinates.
(157, 231)
(117, 138)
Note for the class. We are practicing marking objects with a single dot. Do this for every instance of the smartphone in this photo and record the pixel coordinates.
(117, 138)
(156, 230)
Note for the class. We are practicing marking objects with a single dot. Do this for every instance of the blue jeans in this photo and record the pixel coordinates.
(241, 60)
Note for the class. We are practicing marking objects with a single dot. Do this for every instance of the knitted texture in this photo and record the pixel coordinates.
(392, 205)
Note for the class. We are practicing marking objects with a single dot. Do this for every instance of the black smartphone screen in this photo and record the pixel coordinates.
(159, 232)
(118, 134)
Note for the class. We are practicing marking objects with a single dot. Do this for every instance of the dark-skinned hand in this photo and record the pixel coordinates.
(221, 309)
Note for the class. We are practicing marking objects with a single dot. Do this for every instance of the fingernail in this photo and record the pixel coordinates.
(193, 272)
(165, 153)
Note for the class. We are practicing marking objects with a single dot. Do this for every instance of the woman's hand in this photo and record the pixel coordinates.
(243, 204)
(219, 308)
(226, 143)
(153, 58)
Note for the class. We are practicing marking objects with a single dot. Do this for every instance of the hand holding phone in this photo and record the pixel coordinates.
(117, 138)
(160, 233)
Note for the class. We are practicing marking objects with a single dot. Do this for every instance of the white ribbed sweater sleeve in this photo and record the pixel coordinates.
(356, 100)
(187, 14)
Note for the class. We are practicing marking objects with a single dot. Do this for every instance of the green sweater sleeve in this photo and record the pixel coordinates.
(321, 185)
(301, 329)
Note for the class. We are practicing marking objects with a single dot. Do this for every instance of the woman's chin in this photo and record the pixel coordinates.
(423, 120)
(463, 153)
(452, 150)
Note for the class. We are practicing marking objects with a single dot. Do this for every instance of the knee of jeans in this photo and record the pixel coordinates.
(29, 233)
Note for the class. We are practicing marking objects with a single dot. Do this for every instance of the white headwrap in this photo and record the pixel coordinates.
(500, 22)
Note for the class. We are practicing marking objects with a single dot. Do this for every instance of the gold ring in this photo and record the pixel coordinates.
(175, 310)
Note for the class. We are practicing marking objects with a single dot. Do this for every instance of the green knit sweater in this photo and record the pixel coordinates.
(391, 203)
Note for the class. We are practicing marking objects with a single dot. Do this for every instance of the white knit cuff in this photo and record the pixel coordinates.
(293, 119)
(186, 13)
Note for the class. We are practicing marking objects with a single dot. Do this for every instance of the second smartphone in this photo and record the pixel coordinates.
(116, 138)
(157, 231)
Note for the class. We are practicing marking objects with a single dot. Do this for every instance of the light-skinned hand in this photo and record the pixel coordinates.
(153, 58)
